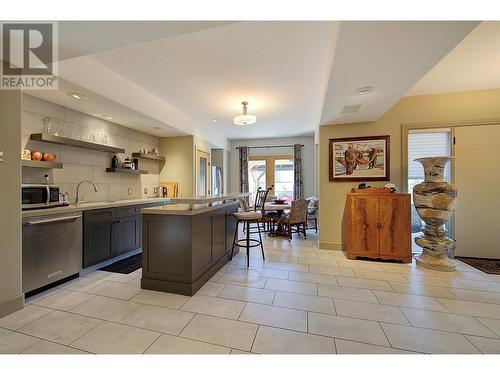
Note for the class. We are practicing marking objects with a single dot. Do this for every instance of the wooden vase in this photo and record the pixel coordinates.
(435, 201)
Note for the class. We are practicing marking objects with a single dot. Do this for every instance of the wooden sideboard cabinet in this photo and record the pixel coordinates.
(378, 225)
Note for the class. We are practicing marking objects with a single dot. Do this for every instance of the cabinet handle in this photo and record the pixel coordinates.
(379, 225)
(54, 220)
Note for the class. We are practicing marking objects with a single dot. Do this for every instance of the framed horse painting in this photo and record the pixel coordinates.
(359, 159)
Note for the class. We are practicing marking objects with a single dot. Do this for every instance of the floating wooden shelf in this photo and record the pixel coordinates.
(126, 170)
(147, 156)
(51, 138)
(41, 164)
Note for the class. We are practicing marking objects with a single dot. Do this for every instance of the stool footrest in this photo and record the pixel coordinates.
(243, 243)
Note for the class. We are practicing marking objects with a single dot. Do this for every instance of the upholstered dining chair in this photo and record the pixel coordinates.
(297, 217)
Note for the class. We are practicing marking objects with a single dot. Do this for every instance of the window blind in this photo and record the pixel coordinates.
(427, 142)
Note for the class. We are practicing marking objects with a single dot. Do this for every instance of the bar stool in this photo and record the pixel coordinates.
(247, 218)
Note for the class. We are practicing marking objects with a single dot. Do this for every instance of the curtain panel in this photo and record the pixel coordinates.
(298, 185)
(243, 169)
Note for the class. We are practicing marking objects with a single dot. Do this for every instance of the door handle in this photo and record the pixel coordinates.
(54, 220)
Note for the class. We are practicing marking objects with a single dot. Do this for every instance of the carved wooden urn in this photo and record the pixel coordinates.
(435, 201)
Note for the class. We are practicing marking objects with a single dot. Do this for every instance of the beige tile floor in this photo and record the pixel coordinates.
(301, 299)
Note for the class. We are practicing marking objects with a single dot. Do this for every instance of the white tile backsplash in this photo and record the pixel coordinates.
(82, 164)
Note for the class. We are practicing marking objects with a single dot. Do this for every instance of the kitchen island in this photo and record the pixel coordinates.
(185, 243)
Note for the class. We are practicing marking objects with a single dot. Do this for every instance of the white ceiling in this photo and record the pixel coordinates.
(275, 66)
(295, 75)
(80, 38)
(474, 64)
(388, 56)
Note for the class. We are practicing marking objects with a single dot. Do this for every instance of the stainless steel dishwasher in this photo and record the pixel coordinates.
(52, 249)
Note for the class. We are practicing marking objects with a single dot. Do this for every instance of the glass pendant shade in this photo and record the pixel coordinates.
(244, 119)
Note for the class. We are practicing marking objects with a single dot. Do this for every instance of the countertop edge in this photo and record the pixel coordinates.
(91, 206)
(185, 211)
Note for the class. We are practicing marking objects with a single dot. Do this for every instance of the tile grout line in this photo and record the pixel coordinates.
(385, 334)
(480, 351)
(254, 338)
(86, 333)
(484, 325)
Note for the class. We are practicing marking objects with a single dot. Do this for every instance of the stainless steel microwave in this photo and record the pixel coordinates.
(39, 196)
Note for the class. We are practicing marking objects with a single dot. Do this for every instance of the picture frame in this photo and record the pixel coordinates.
(359, 159)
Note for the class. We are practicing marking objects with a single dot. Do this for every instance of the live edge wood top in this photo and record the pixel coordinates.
(194, 205)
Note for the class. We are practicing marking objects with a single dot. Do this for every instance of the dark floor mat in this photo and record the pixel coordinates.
(126, 265)
(491, 266)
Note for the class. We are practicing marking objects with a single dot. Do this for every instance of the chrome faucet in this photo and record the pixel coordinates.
(78, 200)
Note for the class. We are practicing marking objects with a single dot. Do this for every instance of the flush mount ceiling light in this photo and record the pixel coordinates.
(107, 117)
(244, 119)
(365, 90)
(77, 96)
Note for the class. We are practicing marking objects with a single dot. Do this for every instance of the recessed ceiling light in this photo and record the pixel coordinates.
(107, 117)
(78, 96)
(365, 90)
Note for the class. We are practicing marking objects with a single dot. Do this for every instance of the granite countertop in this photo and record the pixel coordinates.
(194, 205)
(92, 206)
(181, 209)
(207, 199)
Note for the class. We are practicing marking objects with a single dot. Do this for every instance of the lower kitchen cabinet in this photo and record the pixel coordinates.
(99, 236)
(110, 232)
(128, 233)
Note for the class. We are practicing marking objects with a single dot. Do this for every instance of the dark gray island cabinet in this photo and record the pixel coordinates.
(184, 245)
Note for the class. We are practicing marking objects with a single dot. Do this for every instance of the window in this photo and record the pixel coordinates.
(422, 143)
(283, 179)
(256, 176)
(271, 171)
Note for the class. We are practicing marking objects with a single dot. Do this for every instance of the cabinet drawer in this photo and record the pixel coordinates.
(127, 211)
(97, 216)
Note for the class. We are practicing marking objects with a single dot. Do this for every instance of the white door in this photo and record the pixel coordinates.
(477, 177)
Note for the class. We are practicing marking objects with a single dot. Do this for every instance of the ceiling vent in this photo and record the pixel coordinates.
(353, 108)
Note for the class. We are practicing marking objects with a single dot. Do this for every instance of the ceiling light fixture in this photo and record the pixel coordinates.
(77, 96)
(107, 117)
(244, 119)
(365, 90)
(214, 120)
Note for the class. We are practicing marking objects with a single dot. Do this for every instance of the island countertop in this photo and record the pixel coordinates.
(197, 203)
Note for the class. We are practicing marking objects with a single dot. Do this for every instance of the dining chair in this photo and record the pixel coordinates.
(268, 217)
(296, 217)
(312, 215)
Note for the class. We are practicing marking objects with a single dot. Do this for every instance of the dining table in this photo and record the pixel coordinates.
(280, 210)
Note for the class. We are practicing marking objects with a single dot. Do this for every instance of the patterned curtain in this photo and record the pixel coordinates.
(298, 186)
(243, 169)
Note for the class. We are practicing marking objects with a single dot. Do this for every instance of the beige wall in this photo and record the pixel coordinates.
(440, 108)
(10, 200)
(82, 164)
(308, 158)
(178, 152)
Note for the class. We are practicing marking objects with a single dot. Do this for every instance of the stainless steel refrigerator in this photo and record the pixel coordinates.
(217, 184)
